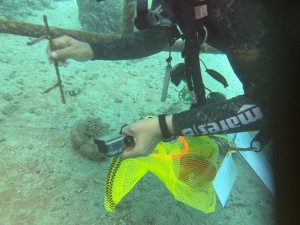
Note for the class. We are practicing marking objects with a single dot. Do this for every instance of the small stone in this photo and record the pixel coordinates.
(10, 109)
(2, 139)
(118, 100)
(79, 190)
(7, 97)
(67, 200)
(5, 60)
(98, 180)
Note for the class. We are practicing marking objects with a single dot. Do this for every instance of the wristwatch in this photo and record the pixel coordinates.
(166, 135)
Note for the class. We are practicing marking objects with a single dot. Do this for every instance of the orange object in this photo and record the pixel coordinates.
(185, 150)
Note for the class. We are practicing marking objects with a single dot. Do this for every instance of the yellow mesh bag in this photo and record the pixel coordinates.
(186, 166)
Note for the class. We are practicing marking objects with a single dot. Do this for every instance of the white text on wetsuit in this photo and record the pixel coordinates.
(247, 114)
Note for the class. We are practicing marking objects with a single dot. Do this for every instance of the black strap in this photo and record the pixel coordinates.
(120, 132)
(166, 135)
(191, 53)
(263, 137)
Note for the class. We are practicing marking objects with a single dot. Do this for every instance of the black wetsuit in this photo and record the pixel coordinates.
(239, 28)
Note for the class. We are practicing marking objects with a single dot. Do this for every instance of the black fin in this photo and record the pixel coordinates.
(217, 76)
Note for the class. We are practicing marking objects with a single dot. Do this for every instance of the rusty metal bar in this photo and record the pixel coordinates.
(33, 30)
(50, 37)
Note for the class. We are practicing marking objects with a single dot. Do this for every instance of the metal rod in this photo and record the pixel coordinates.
(51, 88)
(37, 40)
(33, 30)
(59, 83)
(166, 83)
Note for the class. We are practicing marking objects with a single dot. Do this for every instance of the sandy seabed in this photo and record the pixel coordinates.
(43, 180)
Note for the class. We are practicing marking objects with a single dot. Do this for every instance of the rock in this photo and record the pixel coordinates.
(83, 134)
(94, 16)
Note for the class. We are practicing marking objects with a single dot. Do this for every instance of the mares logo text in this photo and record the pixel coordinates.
(247, 114)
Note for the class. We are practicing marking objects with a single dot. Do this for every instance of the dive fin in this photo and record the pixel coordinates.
(217, 76)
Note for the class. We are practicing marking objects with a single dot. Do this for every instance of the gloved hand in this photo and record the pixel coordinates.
(66, 47)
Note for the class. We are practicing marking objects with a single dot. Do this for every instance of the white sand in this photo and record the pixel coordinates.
(44, 181)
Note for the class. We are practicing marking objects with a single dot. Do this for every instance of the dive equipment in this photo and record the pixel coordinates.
(216, 75)
(112, 145)
(167, 76)
(166, 82)
(262, 138)
(162, 15)
(194, 15)
(174, 35)
(190, 15)
(184, 95)
(177, 73)
(214, 97)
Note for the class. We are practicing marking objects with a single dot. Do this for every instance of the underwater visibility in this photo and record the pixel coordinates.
(62, 114)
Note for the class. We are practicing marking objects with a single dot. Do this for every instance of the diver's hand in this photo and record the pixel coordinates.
(147, 135)
(66, 47)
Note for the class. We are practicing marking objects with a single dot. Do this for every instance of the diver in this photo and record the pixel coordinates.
(238, 28)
